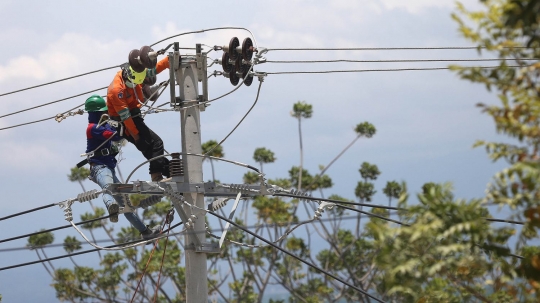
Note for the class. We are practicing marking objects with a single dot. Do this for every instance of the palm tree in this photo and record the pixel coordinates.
(211, 148)
(301, 110)
(392, 190)
(364, 129)
(263, 155)
(365, 189)
(79, 175)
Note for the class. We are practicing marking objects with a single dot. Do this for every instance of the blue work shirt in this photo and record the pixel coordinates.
(95, 135)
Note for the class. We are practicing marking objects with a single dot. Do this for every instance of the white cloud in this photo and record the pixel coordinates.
(71, 54)
(419, 6)
(29, 156)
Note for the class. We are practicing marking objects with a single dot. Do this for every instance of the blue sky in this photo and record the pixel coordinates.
(426, 121)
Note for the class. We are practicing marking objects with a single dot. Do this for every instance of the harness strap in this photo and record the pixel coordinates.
(112, 151)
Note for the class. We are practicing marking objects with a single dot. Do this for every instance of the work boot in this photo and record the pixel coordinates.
(151, 233)
(113, 212)
(156, 177)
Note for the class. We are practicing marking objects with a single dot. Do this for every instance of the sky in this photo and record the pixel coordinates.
(426, 121)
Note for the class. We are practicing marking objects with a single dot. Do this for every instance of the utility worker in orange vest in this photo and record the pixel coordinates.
(124, 100)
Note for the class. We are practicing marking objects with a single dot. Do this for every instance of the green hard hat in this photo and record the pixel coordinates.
(95, 104)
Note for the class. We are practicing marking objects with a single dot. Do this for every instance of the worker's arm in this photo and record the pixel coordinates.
(115, 98)
(160, 66)
(103, 132)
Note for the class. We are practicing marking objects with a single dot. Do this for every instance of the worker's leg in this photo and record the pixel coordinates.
(131, 217)
(151, 146)
(103, 176)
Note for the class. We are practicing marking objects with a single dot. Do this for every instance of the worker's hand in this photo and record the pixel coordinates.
(136, 138)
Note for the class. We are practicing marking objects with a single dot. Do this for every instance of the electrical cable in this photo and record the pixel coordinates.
(28, 211)
(338, 201)
(41, 120)
(294, 256)
(150, 258)
(396, 61)
(174, 234)
(504, 221)
(56, 81)
(255, 43)
(78, 253)
(208, 30)
(389, 48)
(53, 229)
(343, 218)
(151, 107)
(196, 155)
(241, 120)
(49, 103)
(379, 70)
(161, 265)
(139, 243)
(373, 215)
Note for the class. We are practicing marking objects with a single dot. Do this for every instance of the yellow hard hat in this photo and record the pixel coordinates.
(135, 77)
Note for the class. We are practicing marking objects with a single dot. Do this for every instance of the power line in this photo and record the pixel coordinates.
(49, 103)
(53, 229)
(238, 124)
(387, 48)
(78, 253)
(378, 206)
(207, 30)
(27, 211)
(41, 120)
(343, 218)
(394, 61)
(60, 80)
(378, 70)
(171, 228)
(294, 256)
(505, 221)
(339, 201)
(373, 215)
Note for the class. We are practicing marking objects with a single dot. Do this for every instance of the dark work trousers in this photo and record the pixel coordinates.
(150, 145)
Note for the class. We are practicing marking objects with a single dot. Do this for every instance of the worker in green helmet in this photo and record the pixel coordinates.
(103, 163)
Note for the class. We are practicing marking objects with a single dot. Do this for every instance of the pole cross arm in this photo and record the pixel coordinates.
(210, 189)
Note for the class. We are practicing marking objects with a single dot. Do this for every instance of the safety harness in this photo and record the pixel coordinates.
(107, 151)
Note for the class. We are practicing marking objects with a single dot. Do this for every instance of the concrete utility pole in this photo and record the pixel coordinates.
(188, 74)
(187, 189)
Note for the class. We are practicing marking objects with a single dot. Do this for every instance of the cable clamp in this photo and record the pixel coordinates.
(66, 206)
(215, 61)
(60, 117)
(259, 75)
(216, 73)
(320, 210)
(298, 193)
(217, 204)
(261, 51)
(259, 60)
(273, 189)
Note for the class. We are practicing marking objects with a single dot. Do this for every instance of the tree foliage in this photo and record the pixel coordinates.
(502, 29)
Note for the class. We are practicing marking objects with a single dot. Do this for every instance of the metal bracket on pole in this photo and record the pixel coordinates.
(172, 69)
(207, 247)
(231, 215)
